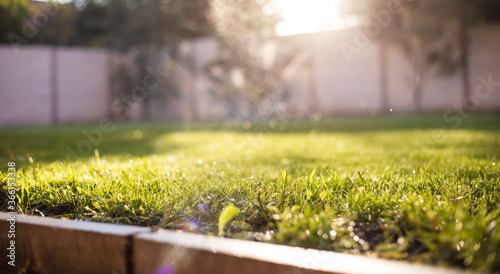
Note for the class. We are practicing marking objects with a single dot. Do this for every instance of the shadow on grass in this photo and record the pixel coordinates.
(63, 143)
(70, 143)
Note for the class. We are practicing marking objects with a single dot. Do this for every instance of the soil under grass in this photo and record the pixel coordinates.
(406, 187)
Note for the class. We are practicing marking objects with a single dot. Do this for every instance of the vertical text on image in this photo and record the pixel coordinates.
(11, 205)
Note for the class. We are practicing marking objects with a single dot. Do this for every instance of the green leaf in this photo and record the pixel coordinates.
(242, 225)
(282, 203)
(323, 195)
(311, 176)
(309, 194)
(283, 175)
(226, 215)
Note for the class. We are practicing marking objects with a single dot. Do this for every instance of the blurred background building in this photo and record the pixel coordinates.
(84, 60)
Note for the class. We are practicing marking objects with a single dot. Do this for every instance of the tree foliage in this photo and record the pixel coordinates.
(13, 13)
(241, 76)
(429, 32)
(433, 34)
(143, 29)
(122, 25)
(59, 29)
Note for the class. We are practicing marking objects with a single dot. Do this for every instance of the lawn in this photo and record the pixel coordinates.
(397, 187)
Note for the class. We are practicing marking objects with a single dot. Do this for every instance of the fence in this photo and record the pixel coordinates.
(47, 85)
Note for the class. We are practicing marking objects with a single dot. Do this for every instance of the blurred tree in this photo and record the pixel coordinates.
(243, 76)
(376, 7)
(127, 24)
(463, 40)
(58, 30)
(470, 13)
(13, 14)
(151, 30)
(144, 29)
(484, 11)
(427, 32)
(434, 36)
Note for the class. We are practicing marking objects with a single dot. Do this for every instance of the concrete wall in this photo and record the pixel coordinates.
(24, 86)
(485, 61)
(345, 87)
(444, 93)
(39, 84)
(83, 85)
(193, 101)
(327, 82)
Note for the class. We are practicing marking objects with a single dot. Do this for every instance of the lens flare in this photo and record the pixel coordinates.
(311, 16)
(202, 207)
(165, 269)
(193, 226)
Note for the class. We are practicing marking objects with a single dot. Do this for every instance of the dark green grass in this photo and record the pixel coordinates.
(396, 187)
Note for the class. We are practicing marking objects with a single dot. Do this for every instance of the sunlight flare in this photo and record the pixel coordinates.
(300, 16)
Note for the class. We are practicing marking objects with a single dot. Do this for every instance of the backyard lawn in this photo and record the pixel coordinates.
(415, 188)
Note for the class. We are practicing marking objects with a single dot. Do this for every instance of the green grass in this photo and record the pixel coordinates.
(388, 186)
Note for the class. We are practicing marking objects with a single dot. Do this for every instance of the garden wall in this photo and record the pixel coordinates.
(47, 85)
(42, 85)
(325, 81)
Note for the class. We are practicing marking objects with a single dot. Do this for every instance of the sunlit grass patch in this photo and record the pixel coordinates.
(384, 186)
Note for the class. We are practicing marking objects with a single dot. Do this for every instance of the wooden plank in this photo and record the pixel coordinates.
(65, 246)
(191, 253)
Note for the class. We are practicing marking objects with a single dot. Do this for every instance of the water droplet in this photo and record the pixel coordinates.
(333, 234)
(138, 134)
(468, 260)
(477, 246)
(247, 125)
(268, 235)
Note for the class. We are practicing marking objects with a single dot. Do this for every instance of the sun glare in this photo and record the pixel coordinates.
(307, 16)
